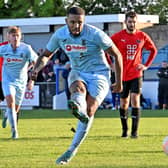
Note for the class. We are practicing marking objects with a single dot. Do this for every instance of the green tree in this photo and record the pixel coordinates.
(156, 7)
(48, 8)
(31, 8)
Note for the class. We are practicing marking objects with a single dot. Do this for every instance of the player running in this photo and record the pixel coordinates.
(17, 57)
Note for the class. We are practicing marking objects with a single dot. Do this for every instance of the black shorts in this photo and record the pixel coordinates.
(131, 86)
(1, 92)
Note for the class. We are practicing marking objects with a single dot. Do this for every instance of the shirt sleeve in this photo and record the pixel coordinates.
(32, 54)
(150, 46)
(103, 40)
(52, 44)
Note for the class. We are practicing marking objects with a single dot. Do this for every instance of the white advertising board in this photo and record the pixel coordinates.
(31, 98)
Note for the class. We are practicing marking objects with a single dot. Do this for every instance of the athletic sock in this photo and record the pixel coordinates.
(135, 121)
(12, 118)
(124, 118)
(81, 133)
(80, 99)
(5, 113)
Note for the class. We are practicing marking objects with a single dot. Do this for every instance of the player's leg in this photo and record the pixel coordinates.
(79, 107)
(77, 103)
(135, 114)
(136, 87)
(166, 98)
(4, 112)
(124, 105)
(89, 106)
(18, 100)
(5, 118)
(9, 92)
(80, 135)
(17, 108)
(12, 115)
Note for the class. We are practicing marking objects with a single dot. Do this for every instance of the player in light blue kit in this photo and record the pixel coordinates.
(18, 56)
(89, 79)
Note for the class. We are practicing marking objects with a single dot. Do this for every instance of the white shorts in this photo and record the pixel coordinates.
(97, 84)
(10, 88)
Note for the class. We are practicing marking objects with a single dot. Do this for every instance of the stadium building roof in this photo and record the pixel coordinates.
(110, 18)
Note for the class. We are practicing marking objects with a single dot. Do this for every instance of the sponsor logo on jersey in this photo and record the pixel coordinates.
(75, 48)
(131, 51)
(13, 60)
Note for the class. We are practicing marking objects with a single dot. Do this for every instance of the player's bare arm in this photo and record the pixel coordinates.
(30, 84)
(113, 51)
(40, 63)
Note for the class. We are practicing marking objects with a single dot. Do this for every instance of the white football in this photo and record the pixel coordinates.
(165, 145)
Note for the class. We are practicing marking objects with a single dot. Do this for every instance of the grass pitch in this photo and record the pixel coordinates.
(45, 135)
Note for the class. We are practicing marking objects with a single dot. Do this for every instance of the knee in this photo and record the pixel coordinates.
(77, 87)
(124, 104)
(10, 101)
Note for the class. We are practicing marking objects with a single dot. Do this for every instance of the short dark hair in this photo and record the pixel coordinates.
(76, 11)
(130, 14)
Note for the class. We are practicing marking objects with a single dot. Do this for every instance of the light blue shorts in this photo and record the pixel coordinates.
(97, 84)
(9, 88)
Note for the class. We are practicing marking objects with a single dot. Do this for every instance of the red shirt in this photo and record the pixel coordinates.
(131, 47)
(1, 60)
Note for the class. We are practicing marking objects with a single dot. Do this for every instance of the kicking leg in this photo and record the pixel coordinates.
(81, 131)
(80, 135)
(78, 101)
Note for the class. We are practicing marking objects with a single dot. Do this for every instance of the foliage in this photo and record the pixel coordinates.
(153, 7)
(31, 8)
(48, 8)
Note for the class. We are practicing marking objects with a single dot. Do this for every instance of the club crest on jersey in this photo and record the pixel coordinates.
(75, 48)
(123, 40)
(138, 41)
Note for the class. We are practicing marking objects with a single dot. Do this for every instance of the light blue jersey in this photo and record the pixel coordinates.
(15, 64)
(86, 51)
(87, 58)
(14, 69)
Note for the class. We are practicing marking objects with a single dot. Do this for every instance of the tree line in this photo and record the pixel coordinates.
(51, 8)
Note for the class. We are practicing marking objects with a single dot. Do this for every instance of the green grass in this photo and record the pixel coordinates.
(45, 135)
